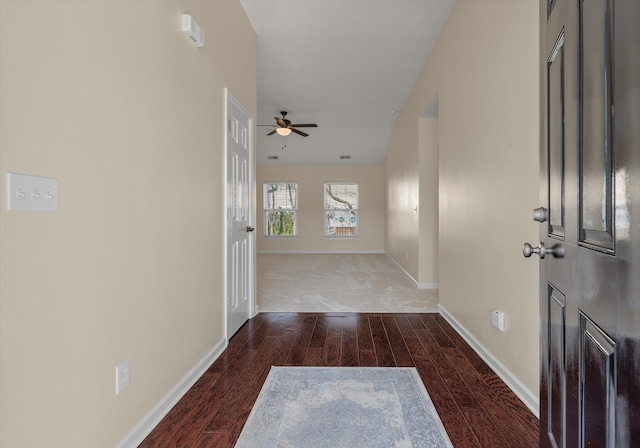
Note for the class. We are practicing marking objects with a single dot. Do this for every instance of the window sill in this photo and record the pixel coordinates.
(341, 237)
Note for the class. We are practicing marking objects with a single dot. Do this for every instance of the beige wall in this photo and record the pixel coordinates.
(112, 99)
(428, 209)
(402, 224)
(310, 181)
(484, 69)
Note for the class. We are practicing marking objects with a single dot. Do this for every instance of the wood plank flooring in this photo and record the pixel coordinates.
(475, 406)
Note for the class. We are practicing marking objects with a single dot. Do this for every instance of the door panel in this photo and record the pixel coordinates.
(590, 182)
(597, 386)
(557, 373)
(555, 76)
(596, 154)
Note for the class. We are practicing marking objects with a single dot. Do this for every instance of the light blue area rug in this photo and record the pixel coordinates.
(343, 407)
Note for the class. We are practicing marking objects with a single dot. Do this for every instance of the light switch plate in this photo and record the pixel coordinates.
(31, 193)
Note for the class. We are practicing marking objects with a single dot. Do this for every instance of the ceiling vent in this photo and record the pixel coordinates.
(345, 157)
(272, 157)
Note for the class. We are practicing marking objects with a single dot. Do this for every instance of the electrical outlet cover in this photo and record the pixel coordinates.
(498, 320)
(122, 376)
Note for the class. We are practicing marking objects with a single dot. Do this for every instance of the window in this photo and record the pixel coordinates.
(341, 209)
(280, 207)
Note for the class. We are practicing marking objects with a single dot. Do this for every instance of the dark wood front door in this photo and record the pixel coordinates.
(590, 230)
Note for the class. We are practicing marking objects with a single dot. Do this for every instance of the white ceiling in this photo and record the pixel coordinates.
(343, 64)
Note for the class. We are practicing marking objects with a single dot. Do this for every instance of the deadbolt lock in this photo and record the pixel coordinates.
(540, 214)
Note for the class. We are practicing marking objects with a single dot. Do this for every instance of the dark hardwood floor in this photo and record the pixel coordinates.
(476, 407)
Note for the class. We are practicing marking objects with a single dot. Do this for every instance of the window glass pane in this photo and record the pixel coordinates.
(280, 223)
(340, 209)
(280, 202)
(340, 196)
(341, 223)
(281, 196)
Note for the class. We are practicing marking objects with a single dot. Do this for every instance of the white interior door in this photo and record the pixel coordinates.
(239, 272)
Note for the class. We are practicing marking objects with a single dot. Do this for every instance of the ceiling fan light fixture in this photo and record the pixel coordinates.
(283, 131)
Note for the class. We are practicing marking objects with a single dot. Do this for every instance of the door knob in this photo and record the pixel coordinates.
(556, 250)
(540, 214)
(250, 229)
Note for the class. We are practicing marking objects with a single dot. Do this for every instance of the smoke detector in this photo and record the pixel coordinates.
(192, 30)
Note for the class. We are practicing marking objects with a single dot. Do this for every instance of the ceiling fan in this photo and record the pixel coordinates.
(284, 126)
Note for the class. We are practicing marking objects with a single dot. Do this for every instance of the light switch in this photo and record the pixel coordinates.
(31, 193)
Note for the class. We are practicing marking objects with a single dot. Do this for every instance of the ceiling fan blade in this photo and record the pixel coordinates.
(272, 132)
(280, 122)
(304, 134)
(308, 125)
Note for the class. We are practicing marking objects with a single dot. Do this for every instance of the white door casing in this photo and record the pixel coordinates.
(240, 252)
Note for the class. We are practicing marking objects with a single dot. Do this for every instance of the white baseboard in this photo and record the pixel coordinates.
(157, 413)
(524, 394)
(396, 264)
(411, 279)
(319, 252)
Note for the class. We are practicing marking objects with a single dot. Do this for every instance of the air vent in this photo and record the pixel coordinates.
(345, 157)
(272, 157)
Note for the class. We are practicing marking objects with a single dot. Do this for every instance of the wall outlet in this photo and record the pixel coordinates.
(122, 376)
(498, 320)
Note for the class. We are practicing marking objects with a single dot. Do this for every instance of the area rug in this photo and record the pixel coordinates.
(335, 407)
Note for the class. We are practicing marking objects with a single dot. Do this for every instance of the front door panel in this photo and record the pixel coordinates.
(555, 77)
(557, 373)
(590, 184)
(596, 151)
(597, 386)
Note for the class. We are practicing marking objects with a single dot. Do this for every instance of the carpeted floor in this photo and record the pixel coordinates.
(318, 407)
(338, 283)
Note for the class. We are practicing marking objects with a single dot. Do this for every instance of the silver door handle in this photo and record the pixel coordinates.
(557, 250)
